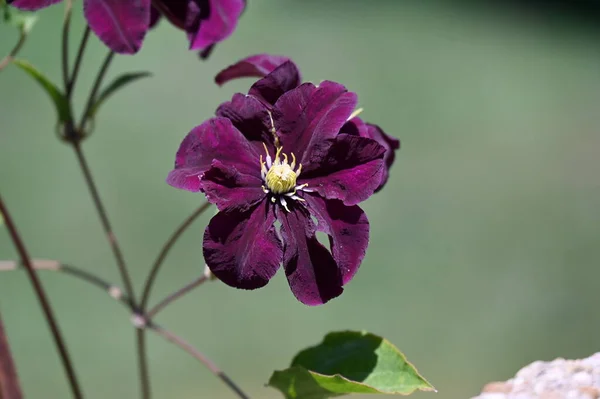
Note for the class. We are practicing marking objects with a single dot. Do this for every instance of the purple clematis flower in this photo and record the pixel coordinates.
(280, 75)
(122, 24)
(279, 169)
(206, 22)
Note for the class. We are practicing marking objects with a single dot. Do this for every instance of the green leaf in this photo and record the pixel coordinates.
(115, 85)
(349, 362)
(58, 98)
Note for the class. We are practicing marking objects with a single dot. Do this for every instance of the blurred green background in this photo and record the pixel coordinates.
(484, 247)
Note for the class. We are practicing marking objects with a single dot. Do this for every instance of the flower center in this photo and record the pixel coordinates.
(280, 177)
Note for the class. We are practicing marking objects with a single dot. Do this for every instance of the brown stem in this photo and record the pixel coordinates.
(108, 231)
(165, 251)
(43, 300)
(143, 364)
(192, 351)
(176, 295)
(9, 381)
(13, 53)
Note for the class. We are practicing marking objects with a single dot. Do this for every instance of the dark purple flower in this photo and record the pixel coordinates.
(278, 173)
(280, 75)
(122, 24)
(206, 22)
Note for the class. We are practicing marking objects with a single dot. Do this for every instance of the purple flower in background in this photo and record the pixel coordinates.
(206, 22)
(280, 75)
(122, 24)
(278, 169)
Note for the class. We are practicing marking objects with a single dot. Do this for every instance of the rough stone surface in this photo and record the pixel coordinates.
(558, 379)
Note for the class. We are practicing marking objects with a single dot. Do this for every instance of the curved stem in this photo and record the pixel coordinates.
(108, 231)
(13, 53)
(165, 251)
(176, 295)
(169, 336)
(95, 88)
(45, 304)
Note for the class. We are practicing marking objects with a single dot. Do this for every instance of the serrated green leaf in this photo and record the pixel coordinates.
(58, 98)
(115, 85)
(349, 362)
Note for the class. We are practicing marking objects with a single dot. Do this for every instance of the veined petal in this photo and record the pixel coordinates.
(32, 5)
(259, 65)
(218, 139)
(347, 168)
(229, 189)
(242, 248)
(222, 20)
(348, 230)
(312, 273)
(308, 115)
(250, 117)
(120, 24)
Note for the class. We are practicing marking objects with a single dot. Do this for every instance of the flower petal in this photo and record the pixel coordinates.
(391, 144)
(229, 189)
(250, 117)
(358, 128)
(32, 5)
(259, 65)
(312, 273)
(218, 139)
(348, 230)
(308, 115)
(347, 168)
(242, 248)
(283, 79)
(120, 24)
(222, 20)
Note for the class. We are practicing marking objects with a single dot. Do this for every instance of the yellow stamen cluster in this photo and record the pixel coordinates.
(280, 177)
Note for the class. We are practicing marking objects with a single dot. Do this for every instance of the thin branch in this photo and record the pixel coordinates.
(65, 41)
(97, 83)
(13, 53)
(192, 351)
(176, 295)
(108, 231)
(9, 381)
(165, 251)
(78, 60)
(139, 320)
(43, 300)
